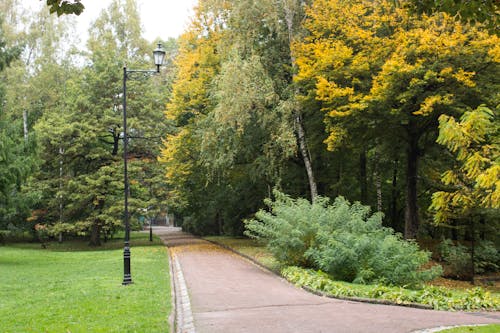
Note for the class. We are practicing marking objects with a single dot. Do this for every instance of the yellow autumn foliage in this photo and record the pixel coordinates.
(363, 55)
(475, 182)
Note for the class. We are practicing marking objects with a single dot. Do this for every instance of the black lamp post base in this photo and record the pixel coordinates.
(127, 276)
(127, 279)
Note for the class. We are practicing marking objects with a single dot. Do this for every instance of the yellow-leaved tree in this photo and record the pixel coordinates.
(384, 76)
(474, 183)
(198, 63)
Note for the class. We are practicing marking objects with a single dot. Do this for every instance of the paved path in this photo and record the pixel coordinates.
(218, 291)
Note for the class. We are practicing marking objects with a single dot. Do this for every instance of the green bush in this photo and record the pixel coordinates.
(341, 239)
(290, 228)
(486, 258)
(457, 258)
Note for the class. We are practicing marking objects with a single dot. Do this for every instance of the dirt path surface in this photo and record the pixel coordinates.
(220, 292)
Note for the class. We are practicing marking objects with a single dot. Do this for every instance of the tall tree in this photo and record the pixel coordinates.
(197, 63)
(376, 65)
(13, 166)
(83, 134)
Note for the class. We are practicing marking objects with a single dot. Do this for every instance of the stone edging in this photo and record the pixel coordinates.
(185, 323)
(320, 293)
(173, 293)
(181, 319)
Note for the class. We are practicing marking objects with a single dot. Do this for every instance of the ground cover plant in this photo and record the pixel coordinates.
(71, 287)
(436, 297)
(340, 238)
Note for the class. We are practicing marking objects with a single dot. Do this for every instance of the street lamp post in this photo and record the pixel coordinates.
(159, 56)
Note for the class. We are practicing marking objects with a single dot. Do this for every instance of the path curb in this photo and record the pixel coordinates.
(173, 315)
(185, 320)
(181, 319)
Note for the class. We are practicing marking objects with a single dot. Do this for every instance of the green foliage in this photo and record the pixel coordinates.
(7, 54)
(62, 7)
(473, 10)
(79, 130)
(341, 239)
(457, 258)
(438, 298)
(290, 228)
(16, 153)
(486, 257)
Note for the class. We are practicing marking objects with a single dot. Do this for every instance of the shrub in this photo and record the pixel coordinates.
(341, 239)
(290, 228)
(458, 258)
(486, 258)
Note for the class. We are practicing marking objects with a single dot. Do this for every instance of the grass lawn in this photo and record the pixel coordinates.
(71, 287)
(475, 329)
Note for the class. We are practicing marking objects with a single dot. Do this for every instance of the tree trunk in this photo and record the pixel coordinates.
(454, 230)
(378, 181)
(61, 152)
(394, 195)
(362, 177)
(305, 157)
(299, 126)
(218, 218)
(25, 125)
(411, 212)
(95, 234)
(116, 144)
(472, 249)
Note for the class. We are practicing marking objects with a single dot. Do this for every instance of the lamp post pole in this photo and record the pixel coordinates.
(127, 277)
(159, 55)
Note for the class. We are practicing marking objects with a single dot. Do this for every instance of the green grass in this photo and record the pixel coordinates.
(476, 329)
(71, 287)
(439, 298)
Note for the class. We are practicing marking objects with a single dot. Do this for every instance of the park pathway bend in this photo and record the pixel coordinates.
(218, 291)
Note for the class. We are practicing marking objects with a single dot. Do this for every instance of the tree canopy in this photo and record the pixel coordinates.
(389, 103)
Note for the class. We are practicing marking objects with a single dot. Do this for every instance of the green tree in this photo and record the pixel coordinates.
(234, 103)
(13, 166)
(81, 136)
(16, 153)
(197, 65)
